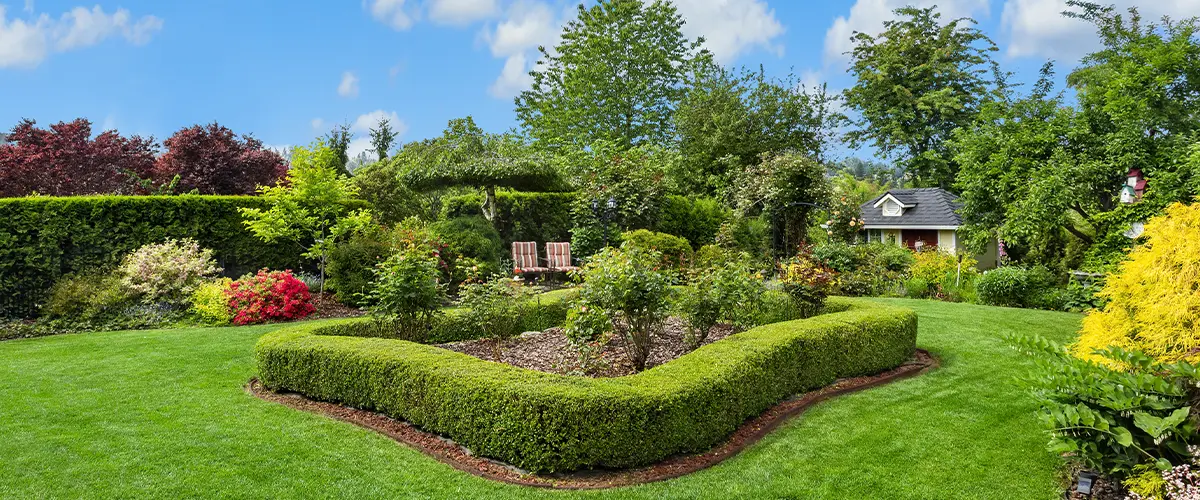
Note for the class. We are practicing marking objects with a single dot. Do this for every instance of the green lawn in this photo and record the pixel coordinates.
(163, 414)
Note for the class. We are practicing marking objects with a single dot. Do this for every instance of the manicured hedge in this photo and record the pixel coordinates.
(545, 422)
(43, 238)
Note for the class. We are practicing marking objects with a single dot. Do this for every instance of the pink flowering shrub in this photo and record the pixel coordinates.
(268, 296)
(1181, 482)
(167, 272)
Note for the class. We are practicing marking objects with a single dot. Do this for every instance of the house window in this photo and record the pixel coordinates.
(874, 236)
(891, 209)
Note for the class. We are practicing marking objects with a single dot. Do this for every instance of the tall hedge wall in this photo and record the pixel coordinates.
(545, 422)
(44, 238)
(544, 217)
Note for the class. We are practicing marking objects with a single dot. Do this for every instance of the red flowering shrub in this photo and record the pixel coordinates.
(268, 296)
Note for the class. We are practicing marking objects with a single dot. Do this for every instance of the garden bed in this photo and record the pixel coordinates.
(550, 351)
(464, 459)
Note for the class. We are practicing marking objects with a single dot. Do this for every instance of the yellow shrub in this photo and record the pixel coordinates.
(934, 266)
(210, 304)
(1154, 298)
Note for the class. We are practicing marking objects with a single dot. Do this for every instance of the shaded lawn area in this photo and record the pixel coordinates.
(163, 414)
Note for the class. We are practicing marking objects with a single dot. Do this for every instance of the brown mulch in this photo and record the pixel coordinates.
(549, 351)
(328, 307)
(461, 458)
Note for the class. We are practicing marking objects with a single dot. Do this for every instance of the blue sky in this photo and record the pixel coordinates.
(286, 71)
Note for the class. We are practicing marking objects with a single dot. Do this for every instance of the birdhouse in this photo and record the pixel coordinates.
(1134, 187)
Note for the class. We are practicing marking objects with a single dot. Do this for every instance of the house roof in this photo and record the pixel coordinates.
(929, 208)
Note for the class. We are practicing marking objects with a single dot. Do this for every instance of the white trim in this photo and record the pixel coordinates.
(888, 196)
(885, 226)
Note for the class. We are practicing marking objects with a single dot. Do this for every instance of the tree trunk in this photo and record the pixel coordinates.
(489, 203)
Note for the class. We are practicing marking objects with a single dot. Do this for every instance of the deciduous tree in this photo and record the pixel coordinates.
(212, 159)
(65, 160)
(617, 75)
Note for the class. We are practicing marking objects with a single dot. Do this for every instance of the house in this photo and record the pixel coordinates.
(920, 219)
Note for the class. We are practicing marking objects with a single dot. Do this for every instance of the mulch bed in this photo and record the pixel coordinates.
(461, 458)
(549, 351)
(328, 307)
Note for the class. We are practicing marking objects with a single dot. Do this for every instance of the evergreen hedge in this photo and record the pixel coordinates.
(44, 238)
(545, 422)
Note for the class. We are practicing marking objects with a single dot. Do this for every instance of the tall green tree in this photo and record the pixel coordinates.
(382, 138)
(338, 140)
(727, 120)
(917, 81)
(1037, 170)
(465, 155)
(617, 75)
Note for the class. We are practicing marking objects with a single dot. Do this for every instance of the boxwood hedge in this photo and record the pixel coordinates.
(546, 422)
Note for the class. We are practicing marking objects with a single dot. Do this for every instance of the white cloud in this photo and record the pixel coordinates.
(868, 16)
(1037, 28)
(461, 12)
(392, 12)
(81, 27)
(349, 85)
(731, 27)
(513, 79)
(318, 123)
(27, 42)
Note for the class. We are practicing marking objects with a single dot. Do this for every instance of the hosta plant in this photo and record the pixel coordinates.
(1114, 420)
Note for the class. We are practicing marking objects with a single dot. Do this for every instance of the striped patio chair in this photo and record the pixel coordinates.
(558, 257)
(525, 258)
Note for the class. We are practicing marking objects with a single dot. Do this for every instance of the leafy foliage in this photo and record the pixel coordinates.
(382, 138)
(622, 292)
(1113, 420)
(728, 120)
(937, 274)
(786, 189)
(406, 292)
(695, 218)
(352, 263)
(616, 75)
(211, 159)
(90, 297)
(729, 292)
(268, 296)
(210, 302)
(167, 272)
(494, 308)
(312, 206)
(676, 253)
(806, 281)
(918, 80)
(1014, 286)
(391, 200)
(470, 238)
(66, 160)
(1152, 305)
(633, 181)
(520, 216)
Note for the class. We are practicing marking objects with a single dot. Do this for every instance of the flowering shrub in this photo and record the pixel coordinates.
(622, 292)
(268, 296)
(167, 272)
(1153, 304)
(210, 302)
(1181, 482)
(843, 224)
(807, 281)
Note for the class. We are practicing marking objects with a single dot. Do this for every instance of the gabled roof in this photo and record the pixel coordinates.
(926, 208)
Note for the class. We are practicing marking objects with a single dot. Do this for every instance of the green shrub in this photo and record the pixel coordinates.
(91, 297)
(494, 308)
(728, 292)
(746, 234)
(886, 256)
(540, 217)
(806, 281)
(676, 252)
(543, 422)
(622, 292)
(210, 302)
(1113, 420)
(406, 292)
(917, 288)
(839, 256)
(1014, 286)
(44, 238)
(351, 266)
(695, 219)
(472, 238)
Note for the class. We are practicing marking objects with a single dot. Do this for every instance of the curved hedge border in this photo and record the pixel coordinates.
(545, 422)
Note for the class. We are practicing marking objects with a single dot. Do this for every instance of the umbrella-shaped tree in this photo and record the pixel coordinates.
(465, 155)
